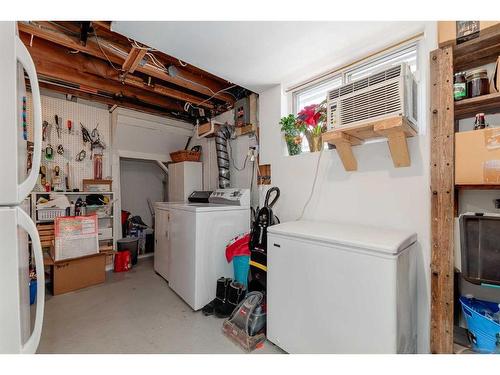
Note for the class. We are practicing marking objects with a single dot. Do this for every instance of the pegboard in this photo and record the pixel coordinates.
(89, 116)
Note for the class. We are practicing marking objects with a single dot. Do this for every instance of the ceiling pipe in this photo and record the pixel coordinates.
(162, 166)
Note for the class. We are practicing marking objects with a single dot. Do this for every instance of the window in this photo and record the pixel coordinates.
(316, 92)
(407, 55)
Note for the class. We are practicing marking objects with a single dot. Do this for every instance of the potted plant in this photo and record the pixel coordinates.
(312, 119)
(292, 134)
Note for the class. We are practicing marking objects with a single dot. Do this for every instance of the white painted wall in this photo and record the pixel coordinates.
(142, 136)
(377, 194)
(140, 180)
(240, 177)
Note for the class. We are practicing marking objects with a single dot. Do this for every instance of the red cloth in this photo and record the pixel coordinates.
(238, 246)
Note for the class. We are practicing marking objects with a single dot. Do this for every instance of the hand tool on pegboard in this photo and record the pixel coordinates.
(45, 129)
(58, 125)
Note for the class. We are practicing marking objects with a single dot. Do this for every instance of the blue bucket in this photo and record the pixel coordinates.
(484, 332)
(241, 265)
(32, 292)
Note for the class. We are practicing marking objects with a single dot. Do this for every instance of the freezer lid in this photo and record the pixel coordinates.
(383, 240)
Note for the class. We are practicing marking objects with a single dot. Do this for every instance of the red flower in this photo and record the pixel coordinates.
(309, 115)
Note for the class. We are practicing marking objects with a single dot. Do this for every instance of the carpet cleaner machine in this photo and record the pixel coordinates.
(247, 323)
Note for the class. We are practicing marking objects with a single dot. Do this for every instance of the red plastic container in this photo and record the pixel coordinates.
(123, 260)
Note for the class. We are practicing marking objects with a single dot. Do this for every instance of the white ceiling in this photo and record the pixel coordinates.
(259, 54)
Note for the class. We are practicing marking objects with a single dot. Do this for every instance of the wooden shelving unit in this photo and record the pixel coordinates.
(469, 107)
(477, 187)
(479, 51)
(444, 62)
(395, 129)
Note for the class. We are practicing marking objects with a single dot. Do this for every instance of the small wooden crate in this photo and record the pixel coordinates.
(185, 155)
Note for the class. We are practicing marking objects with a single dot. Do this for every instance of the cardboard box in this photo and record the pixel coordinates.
(73, 274)
(477, 157)
(447, 30)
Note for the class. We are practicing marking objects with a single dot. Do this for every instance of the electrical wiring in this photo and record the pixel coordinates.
(313, 185)
(251, 179)
(232, 158)
(161, 66)
(182, 63)
(104, 53)
(218, 92)
(136, 45)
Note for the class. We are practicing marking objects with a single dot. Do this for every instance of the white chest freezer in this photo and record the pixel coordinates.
(341, 288)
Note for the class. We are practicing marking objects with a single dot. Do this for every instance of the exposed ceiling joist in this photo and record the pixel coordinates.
(123, 102)
(116, 55)
(44, 50)
(76, 74)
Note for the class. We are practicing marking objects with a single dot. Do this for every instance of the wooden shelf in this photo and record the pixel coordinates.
(479, 51)
(395, 129)
(246, 129)
(477, 187)
(469, 107)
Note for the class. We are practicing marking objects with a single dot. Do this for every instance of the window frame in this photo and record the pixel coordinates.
(346, 71)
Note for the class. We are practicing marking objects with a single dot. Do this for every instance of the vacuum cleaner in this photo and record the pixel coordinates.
(264, 217)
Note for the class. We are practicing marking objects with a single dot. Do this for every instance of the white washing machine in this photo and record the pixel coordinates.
(192, 255)
(341, 288)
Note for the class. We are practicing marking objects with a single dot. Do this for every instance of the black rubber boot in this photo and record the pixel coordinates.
(220, 296)
(235, 294)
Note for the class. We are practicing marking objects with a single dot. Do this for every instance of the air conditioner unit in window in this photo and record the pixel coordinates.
(388, 93)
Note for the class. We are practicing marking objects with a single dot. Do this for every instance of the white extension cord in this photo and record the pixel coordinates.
(313, 185)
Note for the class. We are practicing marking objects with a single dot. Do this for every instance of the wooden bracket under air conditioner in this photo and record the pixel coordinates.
(395, 129)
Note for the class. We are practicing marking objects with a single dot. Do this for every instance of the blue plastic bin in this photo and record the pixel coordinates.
(484, 332)
(32, 292)
(241, 265)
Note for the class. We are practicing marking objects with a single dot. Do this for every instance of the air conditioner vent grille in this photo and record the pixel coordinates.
(380, 101)
(365, 82)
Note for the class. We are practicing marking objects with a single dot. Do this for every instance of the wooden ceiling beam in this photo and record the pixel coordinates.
(184, 79)
(48, 51)
(121, 102)
(105, 31)
(63, 73)
(106, 25)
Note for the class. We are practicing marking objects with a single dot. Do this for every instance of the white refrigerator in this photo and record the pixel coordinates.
(16, 183)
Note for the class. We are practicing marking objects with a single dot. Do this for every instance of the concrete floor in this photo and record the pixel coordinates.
(133, 312)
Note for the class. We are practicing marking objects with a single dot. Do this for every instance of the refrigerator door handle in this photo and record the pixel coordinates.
(23, 56)
(27, 224)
